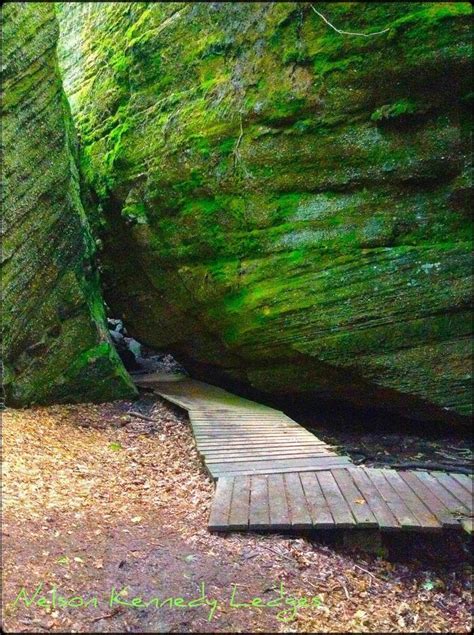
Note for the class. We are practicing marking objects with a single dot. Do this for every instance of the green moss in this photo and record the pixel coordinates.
(227, 146)
(55, 339)
(295, 199)
(136, 212)
(401, 108)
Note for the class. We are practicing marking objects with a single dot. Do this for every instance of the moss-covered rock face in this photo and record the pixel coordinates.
(55, 341)
(281, 204)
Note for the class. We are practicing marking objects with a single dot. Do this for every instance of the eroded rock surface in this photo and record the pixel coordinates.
(55, 341)
(281, 204)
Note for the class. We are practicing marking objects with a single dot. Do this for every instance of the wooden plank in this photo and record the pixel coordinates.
(428, 520)
(242, 406)
(248, 443)
(339, 508)
(299, 514)
(219, 517)
(358, 505)
(241, 429)
(239, 412)
(222, 453)
(265, 444)
(288, 464)
(259, 517)
(278, 470)
(283, 428)
(454, 488)
(436, 506)
(248, 423)
(239, 510)
(230, 446)
(279, 511)
(441, 492)
(235, 406)
(225, 420)
(402, 513)
(465, 481)
(253, 436)
(276, 437)
(385, 519)
(233, 412)
(318, 508)
(222, 458)
(233, 416)
(240, 434)
(321, 461)
(210, 452)
(206, 449)
(222, 438)
(240, 416)
(271, 450)
(260, 446)
(225, 442)
(259, 440)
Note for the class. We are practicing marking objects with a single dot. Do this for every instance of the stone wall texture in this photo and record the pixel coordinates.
(56, 345)
(280, 204)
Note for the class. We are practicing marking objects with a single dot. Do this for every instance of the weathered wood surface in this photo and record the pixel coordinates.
(236, 436)
(357, 497)
(273, 475)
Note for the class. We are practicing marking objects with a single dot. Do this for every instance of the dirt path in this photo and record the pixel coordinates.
(96, 500)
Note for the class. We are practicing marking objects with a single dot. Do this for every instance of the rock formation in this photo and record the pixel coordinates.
(55, 340)
(282, 204)
(280, 201)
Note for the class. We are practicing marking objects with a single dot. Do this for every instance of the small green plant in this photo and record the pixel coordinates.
(64, 561)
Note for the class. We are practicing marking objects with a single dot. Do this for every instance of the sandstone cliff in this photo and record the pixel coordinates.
(56, 345)
(279, 203)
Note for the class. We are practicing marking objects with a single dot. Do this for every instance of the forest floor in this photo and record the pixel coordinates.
(101, 508)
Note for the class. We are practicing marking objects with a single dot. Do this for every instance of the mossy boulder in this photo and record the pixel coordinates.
(56, 345)
(281, 204)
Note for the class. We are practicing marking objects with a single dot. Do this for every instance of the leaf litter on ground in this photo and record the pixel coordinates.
(95, 498)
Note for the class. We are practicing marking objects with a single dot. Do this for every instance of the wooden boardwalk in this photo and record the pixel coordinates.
(343, 498)
(274, 475)
(236, 436)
